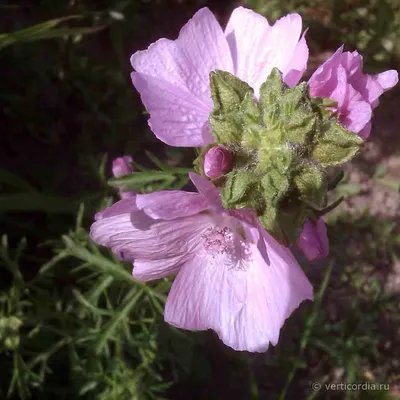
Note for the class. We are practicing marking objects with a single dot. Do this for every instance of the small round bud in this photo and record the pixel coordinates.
(313, 240)
(121, 166)
(217, 162)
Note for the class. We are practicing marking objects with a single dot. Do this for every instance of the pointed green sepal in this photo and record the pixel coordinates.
(227, 91)
(274, 186)
(335, 180)
(311, 184)
(335, 145)
(227, 129)
(240, 190)
(292, 215)
(272, 89)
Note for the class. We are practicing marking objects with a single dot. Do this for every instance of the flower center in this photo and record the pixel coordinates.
(218, 241)
(225, 242)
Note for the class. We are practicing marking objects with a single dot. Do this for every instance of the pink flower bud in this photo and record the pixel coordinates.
(121, 166)
(217, 162)
(313, 241)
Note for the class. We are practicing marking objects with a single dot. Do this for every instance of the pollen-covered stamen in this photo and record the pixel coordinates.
(218, 241)
(224, 241)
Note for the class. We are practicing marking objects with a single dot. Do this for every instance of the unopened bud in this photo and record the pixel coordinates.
(122, 166)
(217, 162)
(313, 240)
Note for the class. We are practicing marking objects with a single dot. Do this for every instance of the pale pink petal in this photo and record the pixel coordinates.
(285, 44)
(297, 65)
(120, 207)
(247, 34)
(145, 270)
(357, 116)
(373, 86)
(171, 204)
(257, 47)
(387, 79)
(341, 92)
(157, 246)
(366, 131)
(246, 305)
(324, 80)
(176, 116)
(181, 68)
(341, 78)
(173, 244)
(356, 112)
(352, 62)
(208, 191)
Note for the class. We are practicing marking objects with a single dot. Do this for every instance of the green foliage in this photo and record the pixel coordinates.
(148, 180)
(370, 26)
(43, 31)
(84, 306)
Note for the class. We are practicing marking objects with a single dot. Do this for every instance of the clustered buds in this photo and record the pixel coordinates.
(282, 145)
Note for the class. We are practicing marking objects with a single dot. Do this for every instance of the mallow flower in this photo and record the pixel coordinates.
(232, 276)
(341, 78)
(237, 92)
(172, 76)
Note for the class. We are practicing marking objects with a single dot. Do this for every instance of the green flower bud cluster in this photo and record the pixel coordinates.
(9, 332)
(282, 145)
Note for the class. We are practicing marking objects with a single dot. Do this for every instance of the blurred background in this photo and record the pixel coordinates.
(73, 323)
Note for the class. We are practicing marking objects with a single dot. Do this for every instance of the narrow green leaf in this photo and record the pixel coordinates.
(44, 30)
(140, 178)
(119, 315)
(8, 178)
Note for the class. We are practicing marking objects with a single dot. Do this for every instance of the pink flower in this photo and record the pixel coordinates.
(313, 241)
(122, 166)
(172, 77)
(232, 276)
(217, 162)
(341, 78)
